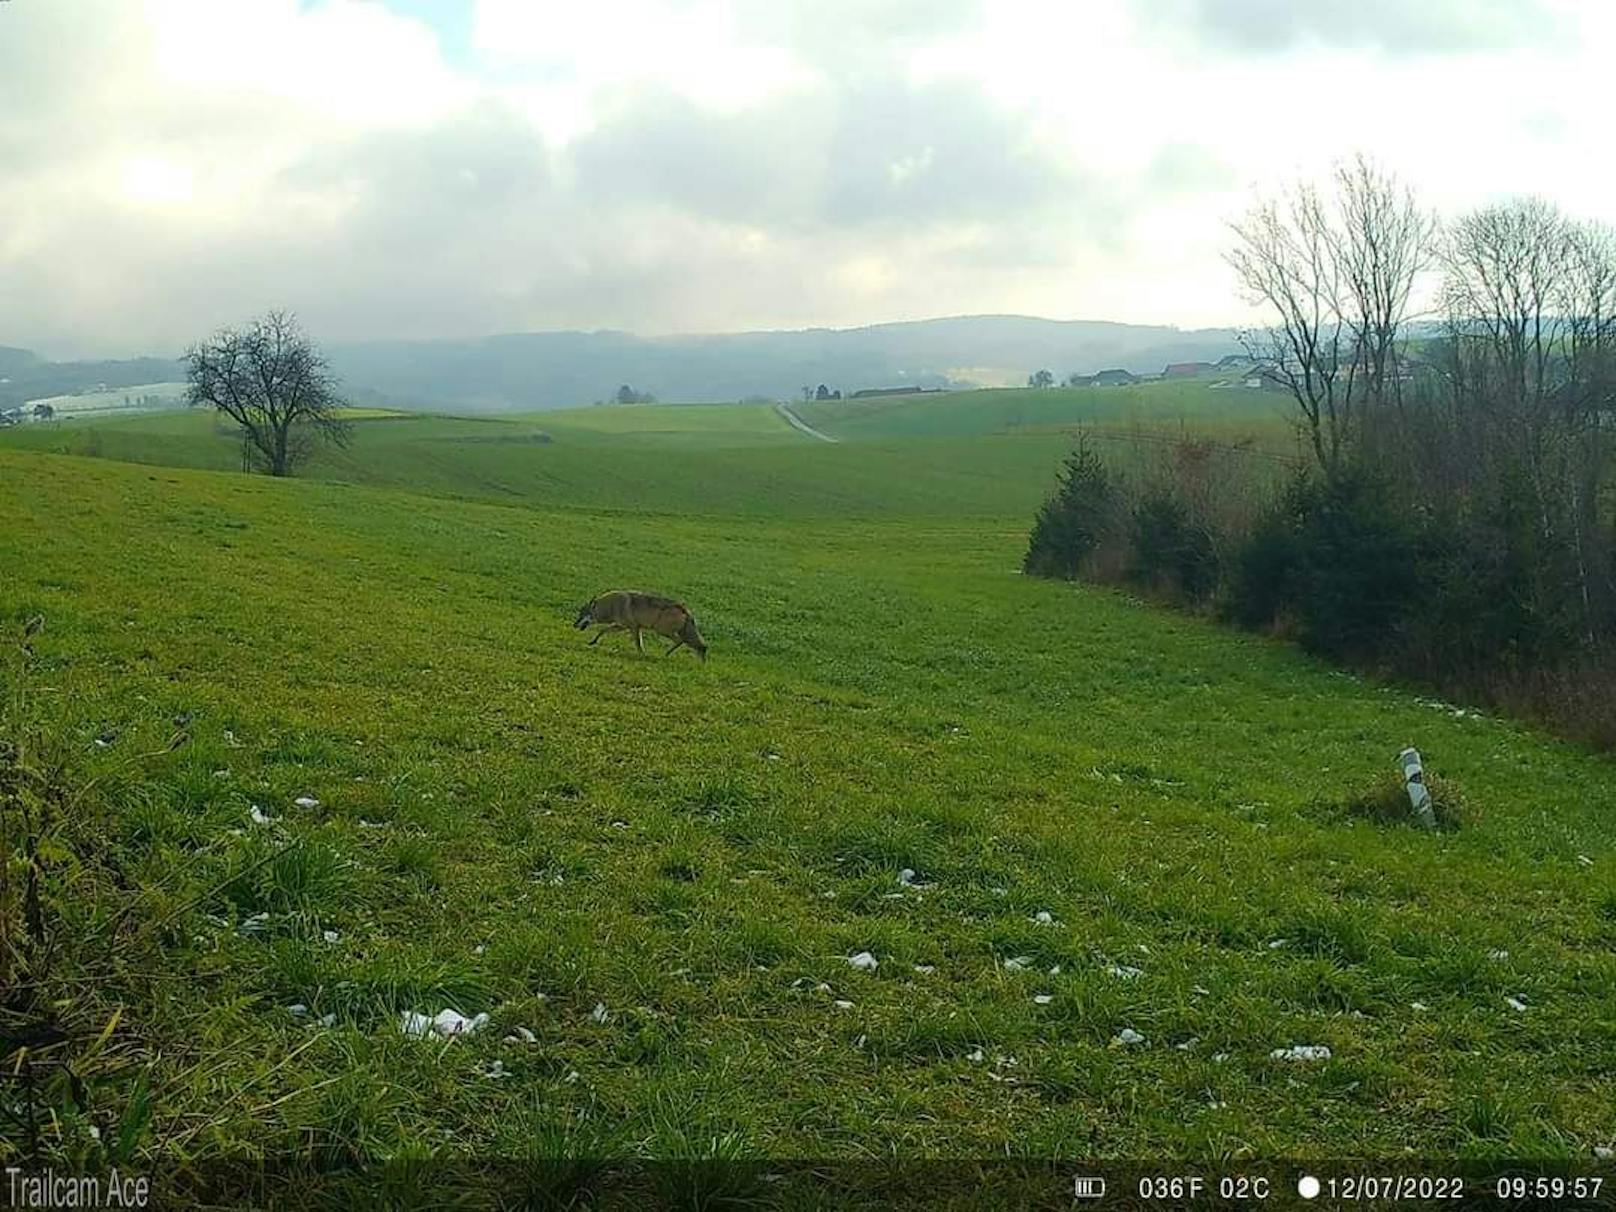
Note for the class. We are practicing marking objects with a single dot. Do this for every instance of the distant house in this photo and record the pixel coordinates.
(1265, 378)
(1114, 378)
(1185, 370)
(1231, 361)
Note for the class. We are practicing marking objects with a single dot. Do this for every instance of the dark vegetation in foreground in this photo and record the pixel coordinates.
(1457, 526)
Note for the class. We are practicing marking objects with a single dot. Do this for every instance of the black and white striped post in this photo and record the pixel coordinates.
(1419, 795)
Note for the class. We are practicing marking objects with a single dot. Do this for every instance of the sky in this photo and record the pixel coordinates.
(453, 168)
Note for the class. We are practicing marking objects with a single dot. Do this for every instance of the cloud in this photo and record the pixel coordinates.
(1396, 26)
(689, 165)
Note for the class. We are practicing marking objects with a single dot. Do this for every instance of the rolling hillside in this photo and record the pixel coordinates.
(1134, 869)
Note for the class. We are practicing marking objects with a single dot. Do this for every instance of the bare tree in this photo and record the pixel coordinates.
(272, 382)
(1531, 302)
(1338, 280)
(1387, 242)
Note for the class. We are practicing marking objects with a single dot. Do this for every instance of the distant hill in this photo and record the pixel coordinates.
(26, 376)
(562, 369)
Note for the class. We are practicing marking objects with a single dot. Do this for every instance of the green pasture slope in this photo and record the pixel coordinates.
(512, 823)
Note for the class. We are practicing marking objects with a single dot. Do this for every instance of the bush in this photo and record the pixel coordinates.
(1074, 521)
(1341, 558)
(1386, 801)
(1169, 551)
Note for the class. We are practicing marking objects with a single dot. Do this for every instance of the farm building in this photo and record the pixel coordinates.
(1185, 370)
(1114, 378)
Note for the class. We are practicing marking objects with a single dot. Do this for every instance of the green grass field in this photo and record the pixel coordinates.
(512, 823)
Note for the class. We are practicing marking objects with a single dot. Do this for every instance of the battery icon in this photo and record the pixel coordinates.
(1088, 1188)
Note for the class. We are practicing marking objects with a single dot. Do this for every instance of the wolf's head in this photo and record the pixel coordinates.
(586, 616)
(692, 637)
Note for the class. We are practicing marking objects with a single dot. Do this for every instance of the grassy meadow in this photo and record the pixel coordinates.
(1122, 824)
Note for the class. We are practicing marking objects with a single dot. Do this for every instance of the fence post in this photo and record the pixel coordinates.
(1419, 795)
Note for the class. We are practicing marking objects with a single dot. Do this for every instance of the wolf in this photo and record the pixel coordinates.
(631, 610)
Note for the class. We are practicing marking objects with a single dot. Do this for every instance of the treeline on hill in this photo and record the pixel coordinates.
(1455, 523)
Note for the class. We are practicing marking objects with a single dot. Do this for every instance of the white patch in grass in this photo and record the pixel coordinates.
(306, 801)
(1128, 1037)
(1043, 918)
(1123, 972)
(520, 1035)
(1515, 1004)
(599, 1014)
(863, 961)
(1498, 955)
(1301, 1052)
(840, 1004)
(1042, 999)
(1017, 963)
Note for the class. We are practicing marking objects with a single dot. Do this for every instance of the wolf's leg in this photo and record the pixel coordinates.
(604, 629)
(639, 640)
(671, 651)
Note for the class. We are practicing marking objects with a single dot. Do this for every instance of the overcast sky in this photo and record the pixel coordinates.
(416, 168)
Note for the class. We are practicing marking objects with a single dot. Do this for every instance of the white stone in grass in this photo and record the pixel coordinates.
(1123, 972)
(822, 987)
(1277, 944)
(494, 1068)
(256, 815)
(1043, 918)
(975, 1057)
(255, 923)
(860, 1041)
(1498, 955)
(1189, 1045)
(330, 936)
(450, 1023)
(1301, 1052)
(863, 961)
(572, 1076)
(1017, 963)
(364, 824)
(842, 1005)
(328, 1020)
(1604, 1152)
(599, 1014)
(306, 801)
(1418, 1006)
(479, 949)
(1201, 989)
(1055, 970)
(925, 969)
(1128, 1036)
(1585, 860)
(1515, 1004)
(1219, 1057)
(297, 1010)
(1042, 999)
